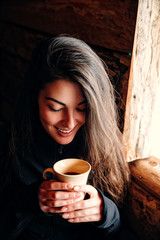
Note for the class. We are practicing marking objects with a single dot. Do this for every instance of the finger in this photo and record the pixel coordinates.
(92, 218)
(59, 203)
(48, 209)
(81, 213)
(54, 185)
(92, 202)
(87, 189)
(55, 206)
(52, 195)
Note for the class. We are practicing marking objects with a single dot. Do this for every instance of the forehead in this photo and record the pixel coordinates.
(63, 90)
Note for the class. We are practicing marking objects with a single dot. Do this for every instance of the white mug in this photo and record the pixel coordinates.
(71, 170)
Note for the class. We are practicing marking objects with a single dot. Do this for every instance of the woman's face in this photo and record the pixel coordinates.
(62, 110)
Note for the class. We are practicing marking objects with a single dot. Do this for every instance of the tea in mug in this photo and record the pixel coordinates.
(71, 173)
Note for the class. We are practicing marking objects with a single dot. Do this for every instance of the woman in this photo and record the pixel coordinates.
(66, 110)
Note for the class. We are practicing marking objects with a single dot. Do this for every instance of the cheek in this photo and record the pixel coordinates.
(82, 119)
(46, 116)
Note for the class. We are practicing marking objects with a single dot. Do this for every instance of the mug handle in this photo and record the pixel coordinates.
(47, 170)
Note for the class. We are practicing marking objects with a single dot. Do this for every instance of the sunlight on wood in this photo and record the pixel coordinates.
(142, 118)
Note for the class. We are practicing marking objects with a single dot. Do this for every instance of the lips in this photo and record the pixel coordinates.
(64, 131)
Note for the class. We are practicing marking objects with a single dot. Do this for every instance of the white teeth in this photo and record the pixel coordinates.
(63, 131)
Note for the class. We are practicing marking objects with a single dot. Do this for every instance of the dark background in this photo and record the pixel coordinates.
(107, 26)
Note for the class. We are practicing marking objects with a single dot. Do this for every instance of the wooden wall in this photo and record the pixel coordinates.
(142, 129)
(143, 203)
(108, 26)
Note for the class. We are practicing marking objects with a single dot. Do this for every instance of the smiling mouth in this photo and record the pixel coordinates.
(64, 131)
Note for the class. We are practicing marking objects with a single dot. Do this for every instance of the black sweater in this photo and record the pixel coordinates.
(21, 216)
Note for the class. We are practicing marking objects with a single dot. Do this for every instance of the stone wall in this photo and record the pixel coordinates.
(108, 26)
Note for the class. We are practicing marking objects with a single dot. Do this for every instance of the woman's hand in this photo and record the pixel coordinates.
(88, 210)
(63, 198)
(54, 195)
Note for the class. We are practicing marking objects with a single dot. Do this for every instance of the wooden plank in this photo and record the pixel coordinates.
(142, 213)
(142, 116)
(146, 173)
(104, 23)
(141, 134)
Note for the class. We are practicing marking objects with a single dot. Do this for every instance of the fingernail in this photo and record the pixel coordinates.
(64, 209)
(76, 188)
(69, 185)
(66, 215)
(77, 195)
(71, 220)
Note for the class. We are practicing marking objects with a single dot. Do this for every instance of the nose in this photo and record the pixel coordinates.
(68, 119)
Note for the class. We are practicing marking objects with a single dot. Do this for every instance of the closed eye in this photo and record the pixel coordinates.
(55, 110)
(81, 110)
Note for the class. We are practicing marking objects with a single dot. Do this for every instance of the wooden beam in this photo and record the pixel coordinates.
(142, 116)
(104, 23)
(146, 173)
(143, 213)
(141, 134)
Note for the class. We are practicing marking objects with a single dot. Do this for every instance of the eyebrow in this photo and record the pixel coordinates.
(82, 102)
(61, 103)
(54, 100)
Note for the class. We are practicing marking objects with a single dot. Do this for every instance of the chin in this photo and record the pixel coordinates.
(64, 141)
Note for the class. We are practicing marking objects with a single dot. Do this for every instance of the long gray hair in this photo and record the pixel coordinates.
(71, 58)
